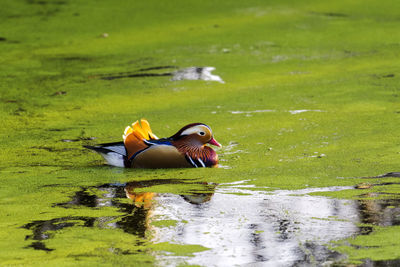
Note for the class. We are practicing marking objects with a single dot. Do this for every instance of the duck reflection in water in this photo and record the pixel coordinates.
(145, 199)
(247, 227)
(141, 213)
(136, 215)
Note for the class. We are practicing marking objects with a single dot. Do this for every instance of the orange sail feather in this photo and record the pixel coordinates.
(135, 135)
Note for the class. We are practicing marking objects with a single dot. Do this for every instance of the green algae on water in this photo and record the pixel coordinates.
(311, 100)
(382, 244)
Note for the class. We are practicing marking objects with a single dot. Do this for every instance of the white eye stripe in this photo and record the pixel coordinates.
(195, 130)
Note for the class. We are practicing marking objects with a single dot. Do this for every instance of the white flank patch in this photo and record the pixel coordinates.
(114, 159)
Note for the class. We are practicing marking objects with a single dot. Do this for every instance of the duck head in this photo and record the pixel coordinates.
(196, 134)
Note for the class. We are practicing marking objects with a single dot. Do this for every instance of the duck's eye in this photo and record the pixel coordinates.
(202, 133)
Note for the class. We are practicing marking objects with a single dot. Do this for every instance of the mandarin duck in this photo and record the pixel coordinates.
(142, 149)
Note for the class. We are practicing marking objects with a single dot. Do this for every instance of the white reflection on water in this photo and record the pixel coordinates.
(256, 228)
(196, 73)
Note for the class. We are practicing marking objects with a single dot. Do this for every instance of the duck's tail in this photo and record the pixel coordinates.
(135, 135)
(113, 153)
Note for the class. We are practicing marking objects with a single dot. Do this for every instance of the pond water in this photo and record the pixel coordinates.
(236, 223)
(303, 96)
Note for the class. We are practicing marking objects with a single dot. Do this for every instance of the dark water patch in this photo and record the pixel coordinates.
(10, 101)
(388, 76)
(42, 2)
(39, 246)
(44, 229)
(136, 75)
(80, 198)
(365, 230)
(136, 222)
(59, 93)
(53, 149)
(350, 53)
(158, 68)
(389, 174)
(331, 14)
(79, 139)
(317, 255)
(58, 129)
(52, 185)
(260, 258)
(383, 263)
(76, 58)
(388, 183)
(285, 228)
(380, 212)
(19, 111)
(86, 197)
(191, 73)
(48, 13)
(383, 76)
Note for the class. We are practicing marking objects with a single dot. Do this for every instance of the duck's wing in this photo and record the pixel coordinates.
(114, 153)
(160, 154)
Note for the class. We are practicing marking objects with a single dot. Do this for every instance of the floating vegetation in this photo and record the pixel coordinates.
(307, 117)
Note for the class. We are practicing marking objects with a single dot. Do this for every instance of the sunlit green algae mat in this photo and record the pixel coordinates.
(310, 100)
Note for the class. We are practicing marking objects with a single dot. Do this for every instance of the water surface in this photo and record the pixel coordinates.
(308, 109)
(235, 223)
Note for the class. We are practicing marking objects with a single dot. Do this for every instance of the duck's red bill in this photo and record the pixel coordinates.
(214, 142)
